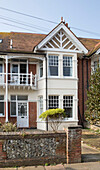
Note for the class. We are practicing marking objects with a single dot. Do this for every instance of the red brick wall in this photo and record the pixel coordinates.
(73, 145)
(11, 119)
(32, 114)
(81, 83)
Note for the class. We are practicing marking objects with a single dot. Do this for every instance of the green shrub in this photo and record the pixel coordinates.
(52, 113)
(54, 116)
(9, 127)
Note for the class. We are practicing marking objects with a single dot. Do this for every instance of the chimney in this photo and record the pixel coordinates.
(61, 19)
(11, 44)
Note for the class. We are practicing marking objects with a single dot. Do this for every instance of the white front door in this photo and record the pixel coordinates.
(22, 117)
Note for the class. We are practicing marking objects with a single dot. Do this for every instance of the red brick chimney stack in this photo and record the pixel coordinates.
(61, 19)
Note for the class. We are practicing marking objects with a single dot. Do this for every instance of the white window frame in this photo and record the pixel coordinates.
(16, 103)
(53, 99)
(40, 104)
(70, 64)
(70, 105)
(4, 106)
(40, 66)
(55, 64)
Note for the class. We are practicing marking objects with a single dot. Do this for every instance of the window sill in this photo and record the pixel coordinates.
(13, 116)
(68, 78)
(2, 115)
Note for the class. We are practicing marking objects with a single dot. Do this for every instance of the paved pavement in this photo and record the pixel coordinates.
(90, 159)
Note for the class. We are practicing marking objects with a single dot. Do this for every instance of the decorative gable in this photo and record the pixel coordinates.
(61, 39)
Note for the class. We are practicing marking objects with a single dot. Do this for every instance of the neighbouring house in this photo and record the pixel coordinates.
(40, 72)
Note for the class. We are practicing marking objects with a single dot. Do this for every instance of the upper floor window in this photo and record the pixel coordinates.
(1, 68)
(41, 69)
(67, 66)
(1, 105)
(68, 105)
(53, 102)
(53, 65)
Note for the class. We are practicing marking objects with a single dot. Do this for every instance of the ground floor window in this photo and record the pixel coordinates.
(68, 105)
(14, 103)
(40, 105)
(53, 102)
(1, 105)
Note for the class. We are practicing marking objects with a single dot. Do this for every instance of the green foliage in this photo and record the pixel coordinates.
(46, 164)
(52, 113)
(0, 124)
(92, 113)
(9, 127)
(54, 116)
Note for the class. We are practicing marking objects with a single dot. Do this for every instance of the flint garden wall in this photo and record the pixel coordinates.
(38, 148)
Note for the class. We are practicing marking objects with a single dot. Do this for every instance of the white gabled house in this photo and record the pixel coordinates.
(40, 72)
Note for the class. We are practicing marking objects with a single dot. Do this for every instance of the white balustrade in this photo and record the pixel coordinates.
(19, 79)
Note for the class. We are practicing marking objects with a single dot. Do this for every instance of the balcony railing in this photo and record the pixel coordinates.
(19, 79)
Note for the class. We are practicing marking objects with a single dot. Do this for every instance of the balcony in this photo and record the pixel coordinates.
(19, 79)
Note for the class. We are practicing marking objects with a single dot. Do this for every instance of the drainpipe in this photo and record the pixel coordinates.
(46, 92)
(83, 93)
(6, 88)
(87, 75)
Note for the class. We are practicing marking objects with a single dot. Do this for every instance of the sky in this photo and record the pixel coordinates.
(79, 14)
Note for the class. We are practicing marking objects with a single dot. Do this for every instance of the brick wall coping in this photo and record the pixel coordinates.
(20, 135)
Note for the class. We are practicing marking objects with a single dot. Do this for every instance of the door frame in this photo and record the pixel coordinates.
(20, 101)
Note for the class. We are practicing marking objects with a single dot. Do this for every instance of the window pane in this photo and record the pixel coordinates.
(13, 108)
(41, 105)
(13, 97)
(14, 68)
(68, 112)
(68, 105)
(53, 102)
(67, 66)
(22, 97)
(0, 68)
(53, 65)
(1, 97)
(41, 69)
(53, 71)
(1, 108)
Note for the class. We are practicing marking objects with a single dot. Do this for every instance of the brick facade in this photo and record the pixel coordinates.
(83, 84)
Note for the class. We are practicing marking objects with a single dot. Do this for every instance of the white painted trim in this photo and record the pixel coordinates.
(61, 50)
(57, 29)
(98, 51)
(6, 88)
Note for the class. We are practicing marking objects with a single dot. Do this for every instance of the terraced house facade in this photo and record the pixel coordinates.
(40, 72)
